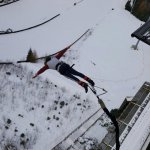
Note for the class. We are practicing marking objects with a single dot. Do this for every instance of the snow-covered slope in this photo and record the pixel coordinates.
(38, 109)
(105, 55)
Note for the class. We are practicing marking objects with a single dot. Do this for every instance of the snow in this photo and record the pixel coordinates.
(105, 55)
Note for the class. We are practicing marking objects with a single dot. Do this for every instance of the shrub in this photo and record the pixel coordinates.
(128, 6)
(32, 56)
(141, 9)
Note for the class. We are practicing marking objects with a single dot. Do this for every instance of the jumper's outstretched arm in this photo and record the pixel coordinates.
(41, 71)
(61, 53)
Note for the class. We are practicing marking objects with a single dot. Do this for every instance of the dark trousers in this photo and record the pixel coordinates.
(69, 72)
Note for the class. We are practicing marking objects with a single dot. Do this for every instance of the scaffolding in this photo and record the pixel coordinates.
(135, 107)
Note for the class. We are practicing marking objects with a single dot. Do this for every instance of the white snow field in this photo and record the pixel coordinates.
(36, 114)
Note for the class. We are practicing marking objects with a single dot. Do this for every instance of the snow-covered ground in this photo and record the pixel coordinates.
(105, 55)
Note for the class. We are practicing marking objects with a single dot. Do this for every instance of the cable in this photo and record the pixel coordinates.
(112, 118)
(2, 1)
(10, 31)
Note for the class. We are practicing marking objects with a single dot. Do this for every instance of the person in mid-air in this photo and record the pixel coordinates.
(53, 62)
